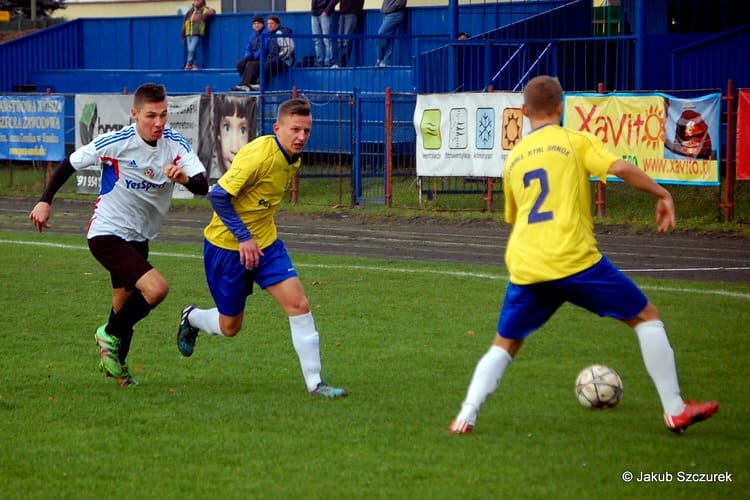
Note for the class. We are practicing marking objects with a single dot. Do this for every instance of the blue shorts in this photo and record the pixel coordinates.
(602, 289)
(230, 283)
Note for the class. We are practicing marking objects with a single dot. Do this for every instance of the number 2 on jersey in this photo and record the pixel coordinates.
(536, 215)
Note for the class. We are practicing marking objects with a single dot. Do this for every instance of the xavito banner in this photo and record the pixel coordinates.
(673, 140)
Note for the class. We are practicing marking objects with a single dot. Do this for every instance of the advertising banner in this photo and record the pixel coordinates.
(216, 127)
(673, 140)
(97, 114)
(743, 136)
(32, 128)
(467, 134)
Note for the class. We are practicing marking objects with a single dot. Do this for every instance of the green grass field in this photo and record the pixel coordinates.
(234, 420)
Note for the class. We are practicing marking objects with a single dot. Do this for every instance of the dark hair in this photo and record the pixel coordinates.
(149, 92)
(274, 18)
(231, 105)
(294, 106)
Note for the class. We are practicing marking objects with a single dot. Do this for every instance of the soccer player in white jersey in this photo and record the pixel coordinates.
(552, 255)
(140, 165)
(242, 246)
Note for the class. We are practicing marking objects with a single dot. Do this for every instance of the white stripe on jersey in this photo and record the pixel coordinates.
(135, 194)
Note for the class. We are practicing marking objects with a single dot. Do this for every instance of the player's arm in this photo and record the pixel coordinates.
(39, 215)
(197, 184)
(637, 178)
(221, 202)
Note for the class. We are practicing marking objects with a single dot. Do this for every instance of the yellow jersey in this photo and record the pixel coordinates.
(547, 188)
(258, 179)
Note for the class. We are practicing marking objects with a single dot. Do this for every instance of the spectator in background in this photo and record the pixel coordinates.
(394, 13)
(321, 21)
(280, 47)
(194, 29)
(349, 13)
(462, 36)
(249, 66)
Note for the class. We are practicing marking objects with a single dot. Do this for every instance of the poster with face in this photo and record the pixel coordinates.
(226, 125)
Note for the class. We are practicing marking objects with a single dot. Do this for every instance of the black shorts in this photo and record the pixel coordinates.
(126, 261)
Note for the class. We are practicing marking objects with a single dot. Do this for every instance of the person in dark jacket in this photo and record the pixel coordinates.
(257, 47)
(280, 47)
(394, 14)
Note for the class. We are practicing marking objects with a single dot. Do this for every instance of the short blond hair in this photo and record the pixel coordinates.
(542, 95)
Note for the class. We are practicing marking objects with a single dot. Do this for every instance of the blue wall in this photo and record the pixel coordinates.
(125, 52)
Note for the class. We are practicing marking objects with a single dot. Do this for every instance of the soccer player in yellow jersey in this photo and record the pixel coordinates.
(242, 246)
(552, 255)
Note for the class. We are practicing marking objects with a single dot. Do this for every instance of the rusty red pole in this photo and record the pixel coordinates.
(731, 172)
(601, 193)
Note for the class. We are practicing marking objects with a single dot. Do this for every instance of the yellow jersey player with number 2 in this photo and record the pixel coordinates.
(552, 254)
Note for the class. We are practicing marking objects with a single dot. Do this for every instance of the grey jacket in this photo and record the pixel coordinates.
(391, 6)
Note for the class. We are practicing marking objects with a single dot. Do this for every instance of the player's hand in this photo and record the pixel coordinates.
(250, 254)
(39, 215)
(176, 174)
(665, 218)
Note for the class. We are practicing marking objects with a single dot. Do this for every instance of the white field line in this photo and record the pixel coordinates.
(401, 270)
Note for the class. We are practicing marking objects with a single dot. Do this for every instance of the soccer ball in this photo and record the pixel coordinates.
(598, 386)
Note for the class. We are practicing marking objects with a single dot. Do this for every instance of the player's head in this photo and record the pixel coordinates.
(150, 111)
(232, 119)
(542, 97)
(293, 125)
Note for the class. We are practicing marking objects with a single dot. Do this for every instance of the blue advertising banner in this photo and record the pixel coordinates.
(32, 128)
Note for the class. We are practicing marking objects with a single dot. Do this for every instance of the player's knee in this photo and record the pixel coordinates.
(230, 326)
(156, 295)
(649, 313)
(298, 307)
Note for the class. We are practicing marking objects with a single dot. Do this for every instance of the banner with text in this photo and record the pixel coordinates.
(97, 114)
(743, 136)
(32, 128)
(467, 134)
(673, 140)
(216, 126)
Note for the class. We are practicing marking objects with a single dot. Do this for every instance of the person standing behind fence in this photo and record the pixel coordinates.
(257, 47)
(349, 13)
(194, 29)
(394, 13)
(321, 22)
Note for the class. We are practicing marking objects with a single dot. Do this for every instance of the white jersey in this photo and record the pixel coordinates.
(135, 193)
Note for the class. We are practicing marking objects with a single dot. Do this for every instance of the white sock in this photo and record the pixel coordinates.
(487, 375)
(659, 359)
(206, 320)
(305, 340)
